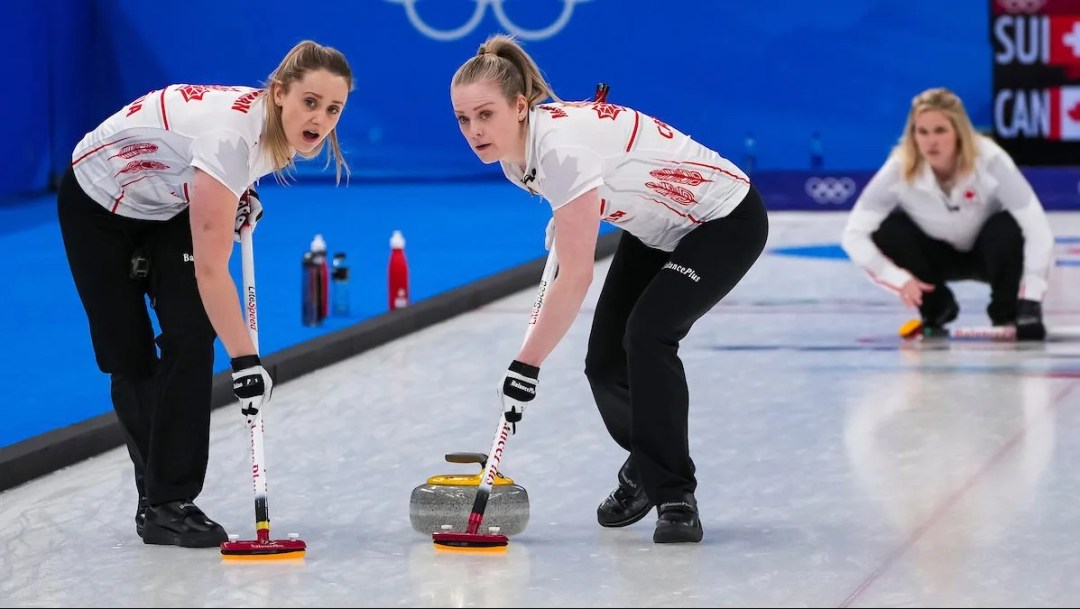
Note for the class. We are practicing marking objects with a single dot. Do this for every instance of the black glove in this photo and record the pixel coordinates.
(248, 210)
(1029, 324)
(252, 384)
(517, 389)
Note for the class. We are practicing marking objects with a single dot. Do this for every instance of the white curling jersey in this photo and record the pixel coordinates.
(955, 217)
(140, 162)
(654, 182)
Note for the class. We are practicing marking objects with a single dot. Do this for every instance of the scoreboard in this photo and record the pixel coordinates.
(1036, 80)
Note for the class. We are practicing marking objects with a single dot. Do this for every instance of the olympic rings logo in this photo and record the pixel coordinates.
(478, 14)
(830, 191)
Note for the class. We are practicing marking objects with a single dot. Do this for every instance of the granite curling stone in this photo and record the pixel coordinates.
(445, 501)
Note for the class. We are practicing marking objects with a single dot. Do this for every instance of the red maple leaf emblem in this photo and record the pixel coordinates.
(1074, 112)
(190, 92)
(607, 110)
(679, 176)
(678, 194)
(196, 92)
(969, 194)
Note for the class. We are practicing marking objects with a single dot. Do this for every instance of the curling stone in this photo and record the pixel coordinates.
(446, 501)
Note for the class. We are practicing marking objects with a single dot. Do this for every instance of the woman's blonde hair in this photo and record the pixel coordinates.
(502, 60)
(949, 104)
(305, 57)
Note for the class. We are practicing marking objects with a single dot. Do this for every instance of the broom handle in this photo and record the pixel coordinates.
(487, 478)
(255, 421)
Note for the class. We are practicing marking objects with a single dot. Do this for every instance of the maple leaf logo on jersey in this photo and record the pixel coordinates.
(190, 92)
(196, 92)
(604, 110)
(678, 194)
(679, 176)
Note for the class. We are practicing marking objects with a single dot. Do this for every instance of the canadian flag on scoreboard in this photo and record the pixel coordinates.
(1064, 113)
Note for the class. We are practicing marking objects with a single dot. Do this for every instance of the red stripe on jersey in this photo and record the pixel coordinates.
(126, 184)
(723, 171)
(99, 148)
(187, 197)
(882, 283)
(633, 134)
(603, 204)
(116, 203)
(673, 210)
(164, 117)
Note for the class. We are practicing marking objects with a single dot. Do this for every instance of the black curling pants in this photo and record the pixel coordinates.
(163, 402)
(997, 258)
(649, 301)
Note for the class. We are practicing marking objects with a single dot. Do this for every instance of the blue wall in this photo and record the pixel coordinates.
(717, 69)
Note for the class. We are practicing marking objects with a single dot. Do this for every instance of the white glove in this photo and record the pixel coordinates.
(249, 210)
(517, 389)
(549, 234)
(252, 384)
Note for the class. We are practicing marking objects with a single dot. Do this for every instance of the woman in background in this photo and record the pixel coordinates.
(950, 204)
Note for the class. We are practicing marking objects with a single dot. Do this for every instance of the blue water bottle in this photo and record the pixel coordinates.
(339, 275)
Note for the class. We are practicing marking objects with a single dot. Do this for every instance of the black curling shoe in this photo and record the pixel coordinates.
(181, 523)
(678, 522)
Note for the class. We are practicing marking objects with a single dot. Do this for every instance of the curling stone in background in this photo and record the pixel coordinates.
(448, 500)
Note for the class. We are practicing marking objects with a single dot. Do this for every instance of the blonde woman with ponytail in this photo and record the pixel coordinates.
(950, 204)
(692, 224)
(151, 205)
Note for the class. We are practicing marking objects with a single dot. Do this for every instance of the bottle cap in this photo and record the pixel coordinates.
(318, 244)
(397, 240)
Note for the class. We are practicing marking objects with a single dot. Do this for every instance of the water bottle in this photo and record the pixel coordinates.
(398, 272)
(309, 290)
(313, 285)
(318, 249)
(340, 292)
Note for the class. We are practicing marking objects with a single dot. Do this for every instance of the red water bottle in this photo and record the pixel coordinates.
(318, 250)
(399, 272)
